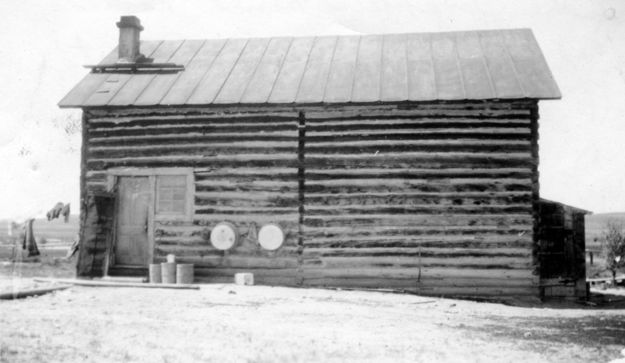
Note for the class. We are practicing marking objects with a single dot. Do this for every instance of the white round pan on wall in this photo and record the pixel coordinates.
(270, 237)
(224, 236)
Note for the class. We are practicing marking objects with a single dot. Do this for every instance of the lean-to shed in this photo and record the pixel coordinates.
(401, 161)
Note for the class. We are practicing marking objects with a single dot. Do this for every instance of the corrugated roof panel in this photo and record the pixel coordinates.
(394, 69)
(472, 65)
(194, 72)
(475, 77)
(449, 84)
(290, 75)
(313, 83)
(217, 73)
(139, 82)
(341, 77)
(502, 73)
(160, 84)
(242, 73)
(528, 61)
(421, 78)
(368, 70)
(259, 87)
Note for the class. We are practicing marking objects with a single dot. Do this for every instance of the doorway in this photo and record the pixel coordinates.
(132, 246)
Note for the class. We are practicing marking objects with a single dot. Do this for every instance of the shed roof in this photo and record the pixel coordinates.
(564, 206)
(470, 65)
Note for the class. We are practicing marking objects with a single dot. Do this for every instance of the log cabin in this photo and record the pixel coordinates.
(397, 161)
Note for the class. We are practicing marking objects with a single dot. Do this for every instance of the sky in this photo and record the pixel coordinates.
(44, 45)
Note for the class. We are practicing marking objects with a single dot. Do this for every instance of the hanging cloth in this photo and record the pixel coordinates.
(65, 212)
(29, 243)
(55, 212)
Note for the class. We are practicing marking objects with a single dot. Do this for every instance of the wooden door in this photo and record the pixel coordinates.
(132, 247)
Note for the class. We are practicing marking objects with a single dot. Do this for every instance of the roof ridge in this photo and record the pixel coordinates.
(276, 36)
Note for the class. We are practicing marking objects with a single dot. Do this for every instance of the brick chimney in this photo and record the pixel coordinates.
(129, 29)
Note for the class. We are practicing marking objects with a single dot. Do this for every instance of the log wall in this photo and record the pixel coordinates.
(437, 198)
(245, 172)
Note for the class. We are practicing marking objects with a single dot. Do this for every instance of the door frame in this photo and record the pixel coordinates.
(113, 175)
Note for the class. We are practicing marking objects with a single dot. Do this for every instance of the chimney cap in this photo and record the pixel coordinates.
(129, 21)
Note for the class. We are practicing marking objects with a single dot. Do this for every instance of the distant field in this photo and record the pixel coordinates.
(56, 229)
(595, 225)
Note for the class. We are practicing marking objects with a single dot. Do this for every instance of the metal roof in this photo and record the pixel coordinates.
(470, 65)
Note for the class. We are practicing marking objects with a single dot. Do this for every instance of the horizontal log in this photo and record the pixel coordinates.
(466, 156)
(229, 158)
(196, 161)
(399, 261)
(212, 173)
(187, 150)
(496, 292)
(243, 249)
(206, 127)
(414, 283)
(416, 219)
(288, 188)
(244, 224)
(444, 272)
(200, 136)
(243, 262)
(466, 172)
(411, 200)
(435, 195)
(241, 179)
(424, 252)
(206, 219)
(478, 112)
(314, 189)
(373, 181)
(257, 196)
(185, 251)
(391, 122)
(195, 242)
(416, 209)
(174, 116)
(356, 241)
(376, 149)
(242, 202)
(364, 130)
(275, 211)
(407, 236)
(432, 162)
(416, 229)
(272, 277)
(418, 142)
(368, 137)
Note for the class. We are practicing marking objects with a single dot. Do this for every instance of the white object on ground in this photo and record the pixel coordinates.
(244, 278)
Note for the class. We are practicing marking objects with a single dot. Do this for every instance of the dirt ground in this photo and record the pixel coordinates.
(229, 323)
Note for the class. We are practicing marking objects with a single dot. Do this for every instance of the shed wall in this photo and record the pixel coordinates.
(436, 198)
